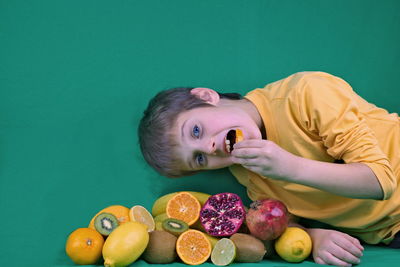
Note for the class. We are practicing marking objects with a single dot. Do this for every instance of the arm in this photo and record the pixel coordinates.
(354, 180)
(332, 247)
(328, 110)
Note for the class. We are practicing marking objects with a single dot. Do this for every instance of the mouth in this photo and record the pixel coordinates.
(232, 137)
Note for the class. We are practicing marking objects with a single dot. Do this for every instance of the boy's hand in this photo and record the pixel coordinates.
(331, 247)
(264, 157)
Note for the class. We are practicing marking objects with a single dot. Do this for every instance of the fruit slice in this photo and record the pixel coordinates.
(174, 226)
(141, 214)
(232, 137)
(294, 245)
(84, 246)
(224, 252)
(160, 204)
(193, 247)
(105, 223)
(121, 212)
(184, 206)
(239, 135)
(222, 214)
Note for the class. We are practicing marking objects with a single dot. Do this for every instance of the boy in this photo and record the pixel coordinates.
(309, 141)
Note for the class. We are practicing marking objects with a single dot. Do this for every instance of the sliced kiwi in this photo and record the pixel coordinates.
(248, 248)
(105, 223)
(161, 248)
(174, 226)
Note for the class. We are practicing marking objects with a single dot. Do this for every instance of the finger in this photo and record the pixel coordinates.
(357, 243)
(330, 259)
(344, 255)
(253, 168)
(318, 260)
(246, 152)
(250, 143)
(245, 161)
(347, 245)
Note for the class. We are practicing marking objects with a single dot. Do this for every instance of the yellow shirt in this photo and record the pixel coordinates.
(318, 116)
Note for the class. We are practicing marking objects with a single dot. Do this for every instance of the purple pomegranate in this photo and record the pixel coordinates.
(222, 214)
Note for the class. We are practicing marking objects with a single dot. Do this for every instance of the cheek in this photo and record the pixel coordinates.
(215, 162)
(254, 132)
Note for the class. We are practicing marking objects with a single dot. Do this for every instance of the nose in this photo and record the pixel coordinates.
(209, 147)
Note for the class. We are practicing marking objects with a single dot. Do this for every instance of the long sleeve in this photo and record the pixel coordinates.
(329, 107)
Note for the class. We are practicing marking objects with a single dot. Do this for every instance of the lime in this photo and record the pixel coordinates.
(224, 252)
(141, 214)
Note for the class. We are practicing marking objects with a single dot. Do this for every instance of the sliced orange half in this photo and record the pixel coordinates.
(184, 206)
(193, 247)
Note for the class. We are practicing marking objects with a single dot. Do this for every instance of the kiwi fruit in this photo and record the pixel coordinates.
(248, 248)
(105, 223)
(174, 226)
(161, 248)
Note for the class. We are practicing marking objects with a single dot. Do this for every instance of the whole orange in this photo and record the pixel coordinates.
(84, 246)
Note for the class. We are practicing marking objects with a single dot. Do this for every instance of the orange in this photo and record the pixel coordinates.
(121, 212)
(184, 206)
(193, 247)
(84, 246)
(239, 135)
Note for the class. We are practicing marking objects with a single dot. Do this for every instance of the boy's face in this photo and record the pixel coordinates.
(201, 134)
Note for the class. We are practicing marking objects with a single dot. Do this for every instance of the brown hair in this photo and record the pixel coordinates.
(155, 139)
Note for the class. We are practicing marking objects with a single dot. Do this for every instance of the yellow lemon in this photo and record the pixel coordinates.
(294, 245)
(125, 244)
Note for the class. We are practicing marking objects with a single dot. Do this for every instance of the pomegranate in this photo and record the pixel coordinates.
(267, 219)
(222, 214)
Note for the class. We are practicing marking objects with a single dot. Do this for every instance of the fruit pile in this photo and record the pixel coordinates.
(193, 227)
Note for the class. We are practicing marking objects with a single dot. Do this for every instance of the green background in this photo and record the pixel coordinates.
(75, 77)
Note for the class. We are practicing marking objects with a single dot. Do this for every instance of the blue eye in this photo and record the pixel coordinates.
(196, 131)
(200, 159)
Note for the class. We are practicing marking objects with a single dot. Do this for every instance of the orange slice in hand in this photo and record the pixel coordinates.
(193, 247)
(184, 206)
(239, 135)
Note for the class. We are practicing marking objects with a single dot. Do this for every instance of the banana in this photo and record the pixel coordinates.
(160, 204)
(159, 220)
(213, 240)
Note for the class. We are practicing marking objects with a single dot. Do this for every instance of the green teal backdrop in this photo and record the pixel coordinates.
(75, 77)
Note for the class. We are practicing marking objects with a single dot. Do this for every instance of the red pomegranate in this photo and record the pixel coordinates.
(222, 214)
(267, 219)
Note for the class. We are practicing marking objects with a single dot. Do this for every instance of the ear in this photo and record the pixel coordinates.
(206, 94)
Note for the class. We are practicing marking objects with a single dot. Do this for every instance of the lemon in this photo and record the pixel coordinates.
(141, 214)
(294, 245)
(125, 244)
